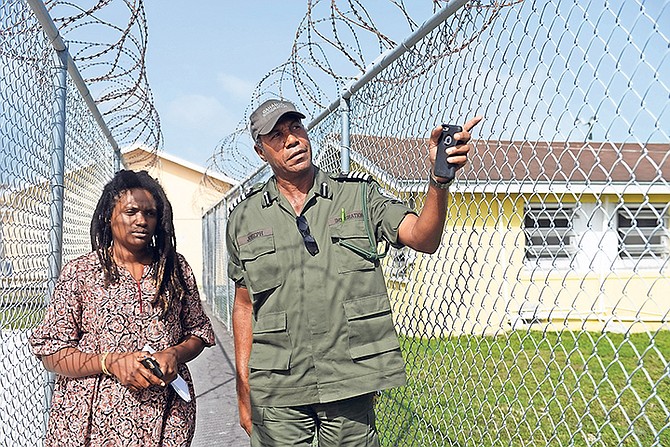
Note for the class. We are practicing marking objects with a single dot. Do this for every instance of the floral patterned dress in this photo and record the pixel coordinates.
(84, 314)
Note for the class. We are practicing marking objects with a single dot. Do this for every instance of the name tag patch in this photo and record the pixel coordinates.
(247, 238)
(344, 216)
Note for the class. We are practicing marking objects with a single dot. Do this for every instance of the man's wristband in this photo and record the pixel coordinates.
(437, 184)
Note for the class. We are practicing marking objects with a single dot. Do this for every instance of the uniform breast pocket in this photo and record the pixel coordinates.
(350, 241)
(259, 258)
(271, 345)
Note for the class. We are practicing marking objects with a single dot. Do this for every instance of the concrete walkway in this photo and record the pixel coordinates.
(213, 372)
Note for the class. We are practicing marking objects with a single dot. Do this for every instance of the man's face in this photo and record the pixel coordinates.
(286, 148)
(134, 220)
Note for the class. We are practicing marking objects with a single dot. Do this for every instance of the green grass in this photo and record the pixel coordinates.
(531, 389)
(20, 316)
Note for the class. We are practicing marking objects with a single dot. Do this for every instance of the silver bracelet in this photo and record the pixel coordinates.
(437, 184)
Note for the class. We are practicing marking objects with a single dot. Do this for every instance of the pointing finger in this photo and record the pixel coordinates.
(472, 123)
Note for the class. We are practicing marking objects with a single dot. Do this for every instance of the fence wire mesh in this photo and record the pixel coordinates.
(28, 122)
(543, 317)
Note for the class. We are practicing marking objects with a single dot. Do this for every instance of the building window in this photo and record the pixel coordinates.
(643, 232)
(549, 231)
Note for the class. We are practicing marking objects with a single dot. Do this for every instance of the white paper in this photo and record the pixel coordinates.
(178, 384)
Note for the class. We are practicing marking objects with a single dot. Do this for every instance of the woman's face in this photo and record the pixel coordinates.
(134, 220)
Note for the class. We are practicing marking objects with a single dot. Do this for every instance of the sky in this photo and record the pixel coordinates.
(204, 61)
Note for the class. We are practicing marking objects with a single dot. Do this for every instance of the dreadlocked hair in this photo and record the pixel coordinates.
(168, 275)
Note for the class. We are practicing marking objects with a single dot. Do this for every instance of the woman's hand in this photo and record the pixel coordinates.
(168, 362)
(130, 372)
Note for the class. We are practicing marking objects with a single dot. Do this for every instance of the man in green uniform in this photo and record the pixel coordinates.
(314, 337)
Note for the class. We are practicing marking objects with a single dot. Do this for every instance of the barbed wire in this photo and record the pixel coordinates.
(334, 43)
(113, 66)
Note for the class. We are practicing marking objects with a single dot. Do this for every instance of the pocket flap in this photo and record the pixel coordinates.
(351, 233)
(348, 229)
(270, 322)
(375, 347)
(366, 307)
(259, 259)
(256, 244)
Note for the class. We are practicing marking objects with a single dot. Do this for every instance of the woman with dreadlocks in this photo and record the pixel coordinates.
(131, 295)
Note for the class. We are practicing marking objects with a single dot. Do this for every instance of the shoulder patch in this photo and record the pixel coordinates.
(244, 195)
(236, 201)
(356, 176)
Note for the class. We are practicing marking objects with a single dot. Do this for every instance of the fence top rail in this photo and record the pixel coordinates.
(377, 66)
(57, 41)
(388, 57)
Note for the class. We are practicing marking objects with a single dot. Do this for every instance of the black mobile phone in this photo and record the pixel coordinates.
(153, 366)
(442, 167)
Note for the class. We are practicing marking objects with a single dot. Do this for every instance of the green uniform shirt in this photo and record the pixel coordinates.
(322, 326)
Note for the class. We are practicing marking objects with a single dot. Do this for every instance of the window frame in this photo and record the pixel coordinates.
(645, 251)
(548, 254)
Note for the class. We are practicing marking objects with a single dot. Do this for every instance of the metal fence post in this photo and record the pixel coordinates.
(57, 194)
(345, 146)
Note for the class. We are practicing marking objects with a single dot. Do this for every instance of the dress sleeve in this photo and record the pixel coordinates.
(61, 326)
(386, 213)
(193, 318)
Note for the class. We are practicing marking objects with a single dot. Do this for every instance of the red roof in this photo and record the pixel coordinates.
(407, 159)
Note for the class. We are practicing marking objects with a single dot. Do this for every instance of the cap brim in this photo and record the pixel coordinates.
(273, 122)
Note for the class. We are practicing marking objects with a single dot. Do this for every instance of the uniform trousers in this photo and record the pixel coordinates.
(343, 423)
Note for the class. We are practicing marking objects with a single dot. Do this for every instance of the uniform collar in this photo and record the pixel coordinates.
(270, 192)
(323, 184)
(322, 187)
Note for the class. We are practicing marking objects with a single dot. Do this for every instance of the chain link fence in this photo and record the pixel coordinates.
(54, 161)
(543, 317)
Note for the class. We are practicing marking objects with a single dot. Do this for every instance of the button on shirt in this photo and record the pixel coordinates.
(322, 325)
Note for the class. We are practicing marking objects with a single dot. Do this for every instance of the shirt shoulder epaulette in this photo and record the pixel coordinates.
(245, 194)
(354, 176)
